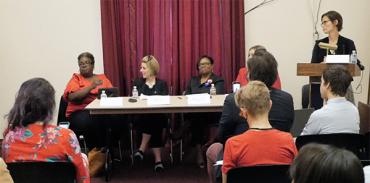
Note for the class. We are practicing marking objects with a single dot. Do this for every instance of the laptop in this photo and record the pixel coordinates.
(301, 117)
(111, 92)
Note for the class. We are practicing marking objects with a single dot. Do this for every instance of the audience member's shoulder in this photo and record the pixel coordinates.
(236, 138)
(283, 134)
(230, 96)
(280, 93)
(62, 131)
(242, 70)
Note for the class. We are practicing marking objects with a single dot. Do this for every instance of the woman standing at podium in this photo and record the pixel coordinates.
(332, 24)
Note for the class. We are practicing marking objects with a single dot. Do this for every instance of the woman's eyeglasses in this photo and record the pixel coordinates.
(204, 64)
(325, 21)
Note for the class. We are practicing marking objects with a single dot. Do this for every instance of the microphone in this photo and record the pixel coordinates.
(362, 67)
(327, 46)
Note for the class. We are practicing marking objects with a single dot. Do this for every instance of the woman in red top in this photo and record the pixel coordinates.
(260, 144)
(243, 72)
(30, 137)
(81, 90)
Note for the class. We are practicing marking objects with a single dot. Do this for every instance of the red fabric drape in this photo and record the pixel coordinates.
(177, 33)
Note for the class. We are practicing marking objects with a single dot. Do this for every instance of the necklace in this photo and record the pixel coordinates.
(261, 128)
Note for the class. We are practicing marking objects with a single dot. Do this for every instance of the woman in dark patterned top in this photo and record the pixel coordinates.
(200, 122)
(151, 126)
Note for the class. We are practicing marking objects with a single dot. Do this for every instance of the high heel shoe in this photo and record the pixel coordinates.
(158, 167)
(139, 155)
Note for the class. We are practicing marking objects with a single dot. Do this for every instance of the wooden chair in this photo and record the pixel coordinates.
(364, 110)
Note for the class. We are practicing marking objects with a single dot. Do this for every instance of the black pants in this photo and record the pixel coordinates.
(152, 124)
(94, 128)
(200, 123)
(316, 100)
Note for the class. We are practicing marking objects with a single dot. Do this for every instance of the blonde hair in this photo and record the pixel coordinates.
(255, 97)
(152, 64)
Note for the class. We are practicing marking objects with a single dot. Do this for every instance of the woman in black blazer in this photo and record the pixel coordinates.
(332, 24)
(151, 126)
(204, 123)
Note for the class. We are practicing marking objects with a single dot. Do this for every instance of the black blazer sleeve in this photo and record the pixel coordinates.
(138, 82)
(316, 53)
(219, 83)
(230, 122)
(188, 87)
(163, 88)
(220, 86)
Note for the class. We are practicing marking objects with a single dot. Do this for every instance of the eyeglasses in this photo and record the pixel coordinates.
(325, 21)
(205, 63)
(84, 63)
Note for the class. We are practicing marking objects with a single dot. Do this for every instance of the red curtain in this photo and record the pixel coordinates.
(177, 33)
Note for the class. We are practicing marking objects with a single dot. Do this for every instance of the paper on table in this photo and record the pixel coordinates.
(143, 97)
(158, 100)
(342, 59)
(203, 98)
(111, 102)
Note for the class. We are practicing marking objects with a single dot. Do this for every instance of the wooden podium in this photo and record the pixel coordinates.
(314, 71)
(308, 69)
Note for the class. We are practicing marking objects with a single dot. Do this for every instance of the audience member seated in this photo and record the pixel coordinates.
(200, 122)
(263, 67)
(261, 144)
(338, 115)
(243, 72)
(326, 164)
(4, 173)
(151, 126)
(30, 137)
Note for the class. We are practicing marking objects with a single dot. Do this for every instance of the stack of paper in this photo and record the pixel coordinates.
(111, 102)
(158, 100)
(197, 99)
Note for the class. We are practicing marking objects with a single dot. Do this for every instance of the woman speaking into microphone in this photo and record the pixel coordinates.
(332, 24)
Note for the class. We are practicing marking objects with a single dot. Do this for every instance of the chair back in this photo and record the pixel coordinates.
(42, 172)
(350, 141)
(301, 117)
(364, 110)
(259, 174)
(62, 110)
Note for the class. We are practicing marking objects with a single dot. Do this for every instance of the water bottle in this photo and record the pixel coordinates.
(354, 57)
(212, 91)
(103, 95)
(135, 93)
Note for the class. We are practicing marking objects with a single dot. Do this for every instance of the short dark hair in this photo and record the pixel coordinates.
(262, 67)
(205, 56)
(333, 15)
(35, 101)
(87, 55)
(339, 79)
(257, 47)
(324, 163)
